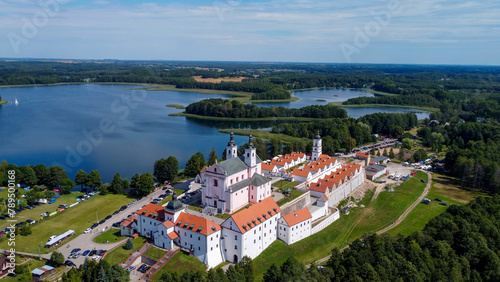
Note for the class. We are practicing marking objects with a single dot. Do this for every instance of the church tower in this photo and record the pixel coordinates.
(231, 148)
(316, 147)
(250, 153)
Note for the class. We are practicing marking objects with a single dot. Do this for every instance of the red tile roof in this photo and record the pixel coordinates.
(325, 198)
(194, 223)
(362, 155)
(318, 187)
(153, 211)
(255, 214)
(297, 217)
(172, 235)
(168, 224)
(131, 219)
(300, 172)
(268, 167)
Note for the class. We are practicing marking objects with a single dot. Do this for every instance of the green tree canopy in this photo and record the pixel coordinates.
(116, 185)
(94, 179)
(194, 165)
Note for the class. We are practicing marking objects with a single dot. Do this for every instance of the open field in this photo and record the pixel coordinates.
(386, 208)
(34, 214)
(179, 107)
(293, 195)
(199, 78)
(444, 188)
(77, 218)
(155, 253)
(119, 254)
(180, 263)
(110, 236)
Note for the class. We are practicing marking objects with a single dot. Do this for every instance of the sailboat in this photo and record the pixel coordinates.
(16, 102)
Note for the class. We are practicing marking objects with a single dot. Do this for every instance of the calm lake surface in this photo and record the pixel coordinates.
(311, 97)
(114, 129)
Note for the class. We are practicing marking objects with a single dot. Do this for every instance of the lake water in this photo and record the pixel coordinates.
(325, 96)
(111, 128)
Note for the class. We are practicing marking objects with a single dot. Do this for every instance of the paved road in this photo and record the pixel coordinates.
(85, 241)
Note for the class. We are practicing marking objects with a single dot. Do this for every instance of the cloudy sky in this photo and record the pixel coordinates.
(362, 31)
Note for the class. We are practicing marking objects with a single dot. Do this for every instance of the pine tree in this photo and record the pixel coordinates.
(129, 245)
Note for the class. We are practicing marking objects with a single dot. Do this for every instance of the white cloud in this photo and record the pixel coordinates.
(258, 28)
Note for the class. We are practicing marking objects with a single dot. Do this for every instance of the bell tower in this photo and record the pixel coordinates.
(231, 148)
(316, 147)
(250, 153)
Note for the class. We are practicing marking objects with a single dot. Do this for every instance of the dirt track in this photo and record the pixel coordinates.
(379, 188)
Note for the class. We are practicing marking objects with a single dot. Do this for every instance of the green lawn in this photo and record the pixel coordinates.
(283, 184)
(119, 254)
(32, 264)
(77, 218)
(377, 214)
(293, 195)
(34, 214)
(180, 263)
(155, 253)
(110, 236)
(443, 188)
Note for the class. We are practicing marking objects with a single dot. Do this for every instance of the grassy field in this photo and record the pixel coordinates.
(155, 253)
(283, 184)
(34, 214)
(119, 254)
(293, 195)
(77, 218)
(32, 264)
(179, 107)
(376, 214)
(180, 263)
(110, 236)
(444, 188)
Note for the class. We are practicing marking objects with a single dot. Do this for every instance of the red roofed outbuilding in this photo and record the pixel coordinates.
(295, 226)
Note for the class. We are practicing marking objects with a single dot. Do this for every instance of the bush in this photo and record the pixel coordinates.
(56, 259)
(25, 230)
(129, 245)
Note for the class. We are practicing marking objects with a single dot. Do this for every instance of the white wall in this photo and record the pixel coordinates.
(295, 233)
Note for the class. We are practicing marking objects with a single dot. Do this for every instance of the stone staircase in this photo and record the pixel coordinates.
(135, 255)
(160, 263)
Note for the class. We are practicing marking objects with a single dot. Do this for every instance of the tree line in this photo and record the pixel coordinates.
(462, 244)
(236, 109)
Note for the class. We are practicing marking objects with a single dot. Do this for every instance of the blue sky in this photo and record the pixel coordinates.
(375, 31)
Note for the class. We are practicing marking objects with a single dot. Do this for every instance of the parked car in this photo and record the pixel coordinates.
(423, 181)
(116, 224)
(130, 268)
(108, 217)
(69, 263)
(87, 230)
(439, 200)
(75, 250)
(443, 204)
(116, 212)
(86, 253)
(102, 221)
